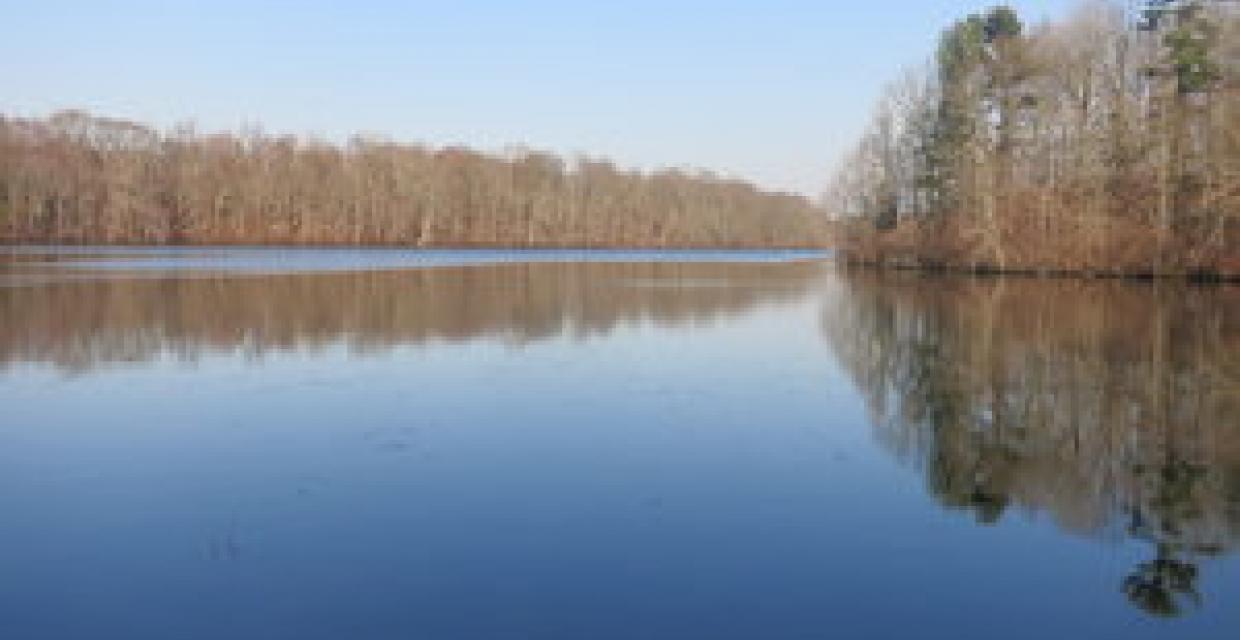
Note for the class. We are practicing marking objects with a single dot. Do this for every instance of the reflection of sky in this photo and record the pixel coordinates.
(717, 480)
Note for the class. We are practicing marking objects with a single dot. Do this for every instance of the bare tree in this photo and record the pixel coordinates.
(1105, 142)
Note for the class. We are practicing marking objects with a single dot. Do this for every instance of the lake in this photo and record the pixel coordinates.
(306, 443)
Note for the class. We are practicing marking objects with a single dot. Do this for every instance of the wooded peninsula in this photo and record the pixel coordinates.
(77, 179)
(1104, 143)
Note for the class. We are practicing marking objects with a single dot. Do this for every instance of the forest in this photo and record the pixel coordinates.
(1104, 143)
(73, 178)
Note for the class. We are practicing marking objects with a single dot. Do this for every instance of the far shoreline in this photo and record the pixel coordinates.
(414, 247)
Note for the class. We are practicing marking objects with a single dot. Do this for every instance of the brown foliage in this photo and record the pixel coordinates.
(74, 178)
(1100, 148)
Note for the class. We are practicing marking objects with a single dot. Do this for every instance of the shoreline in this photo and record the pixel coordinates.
(463, 246)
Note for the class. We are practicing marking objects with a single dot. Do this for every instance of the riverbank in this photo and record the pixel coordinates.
(446, 246)
(1116, 250)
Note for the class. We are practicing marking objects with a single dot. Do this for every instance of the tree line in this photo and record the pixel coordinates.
(1108, 141)
(75, 178)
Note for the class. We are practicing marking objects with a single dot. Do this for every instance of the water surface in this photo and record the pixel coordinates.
(379, 444)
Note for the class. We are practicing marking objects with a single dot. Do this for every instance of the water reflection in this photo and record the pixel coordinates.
(78, 320)
(1112, 407)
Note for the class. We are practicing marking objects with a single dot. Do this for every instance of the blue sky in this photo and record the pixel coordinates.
(771, 91)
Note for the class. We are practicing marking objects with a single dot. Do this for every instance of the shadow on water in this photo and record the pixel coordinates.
(1112, 408)
(79, 320)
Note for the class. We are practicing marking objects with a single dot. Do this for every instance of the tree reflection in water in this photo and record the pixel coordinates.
(1110, 406)
(78, 321)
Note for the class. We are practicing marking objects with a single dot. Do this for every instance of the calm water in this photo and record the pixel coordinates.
(388, 444)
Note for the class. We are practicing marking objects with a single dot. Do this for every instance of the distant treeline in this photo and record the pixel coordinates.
(1107, 142)
(73, 178)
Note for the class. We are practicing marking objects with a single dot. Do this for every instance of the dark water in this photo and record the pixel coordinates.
(341, 444)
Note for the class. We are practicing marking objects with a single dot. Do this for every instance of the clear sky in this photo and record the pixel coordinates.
(771, 91)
